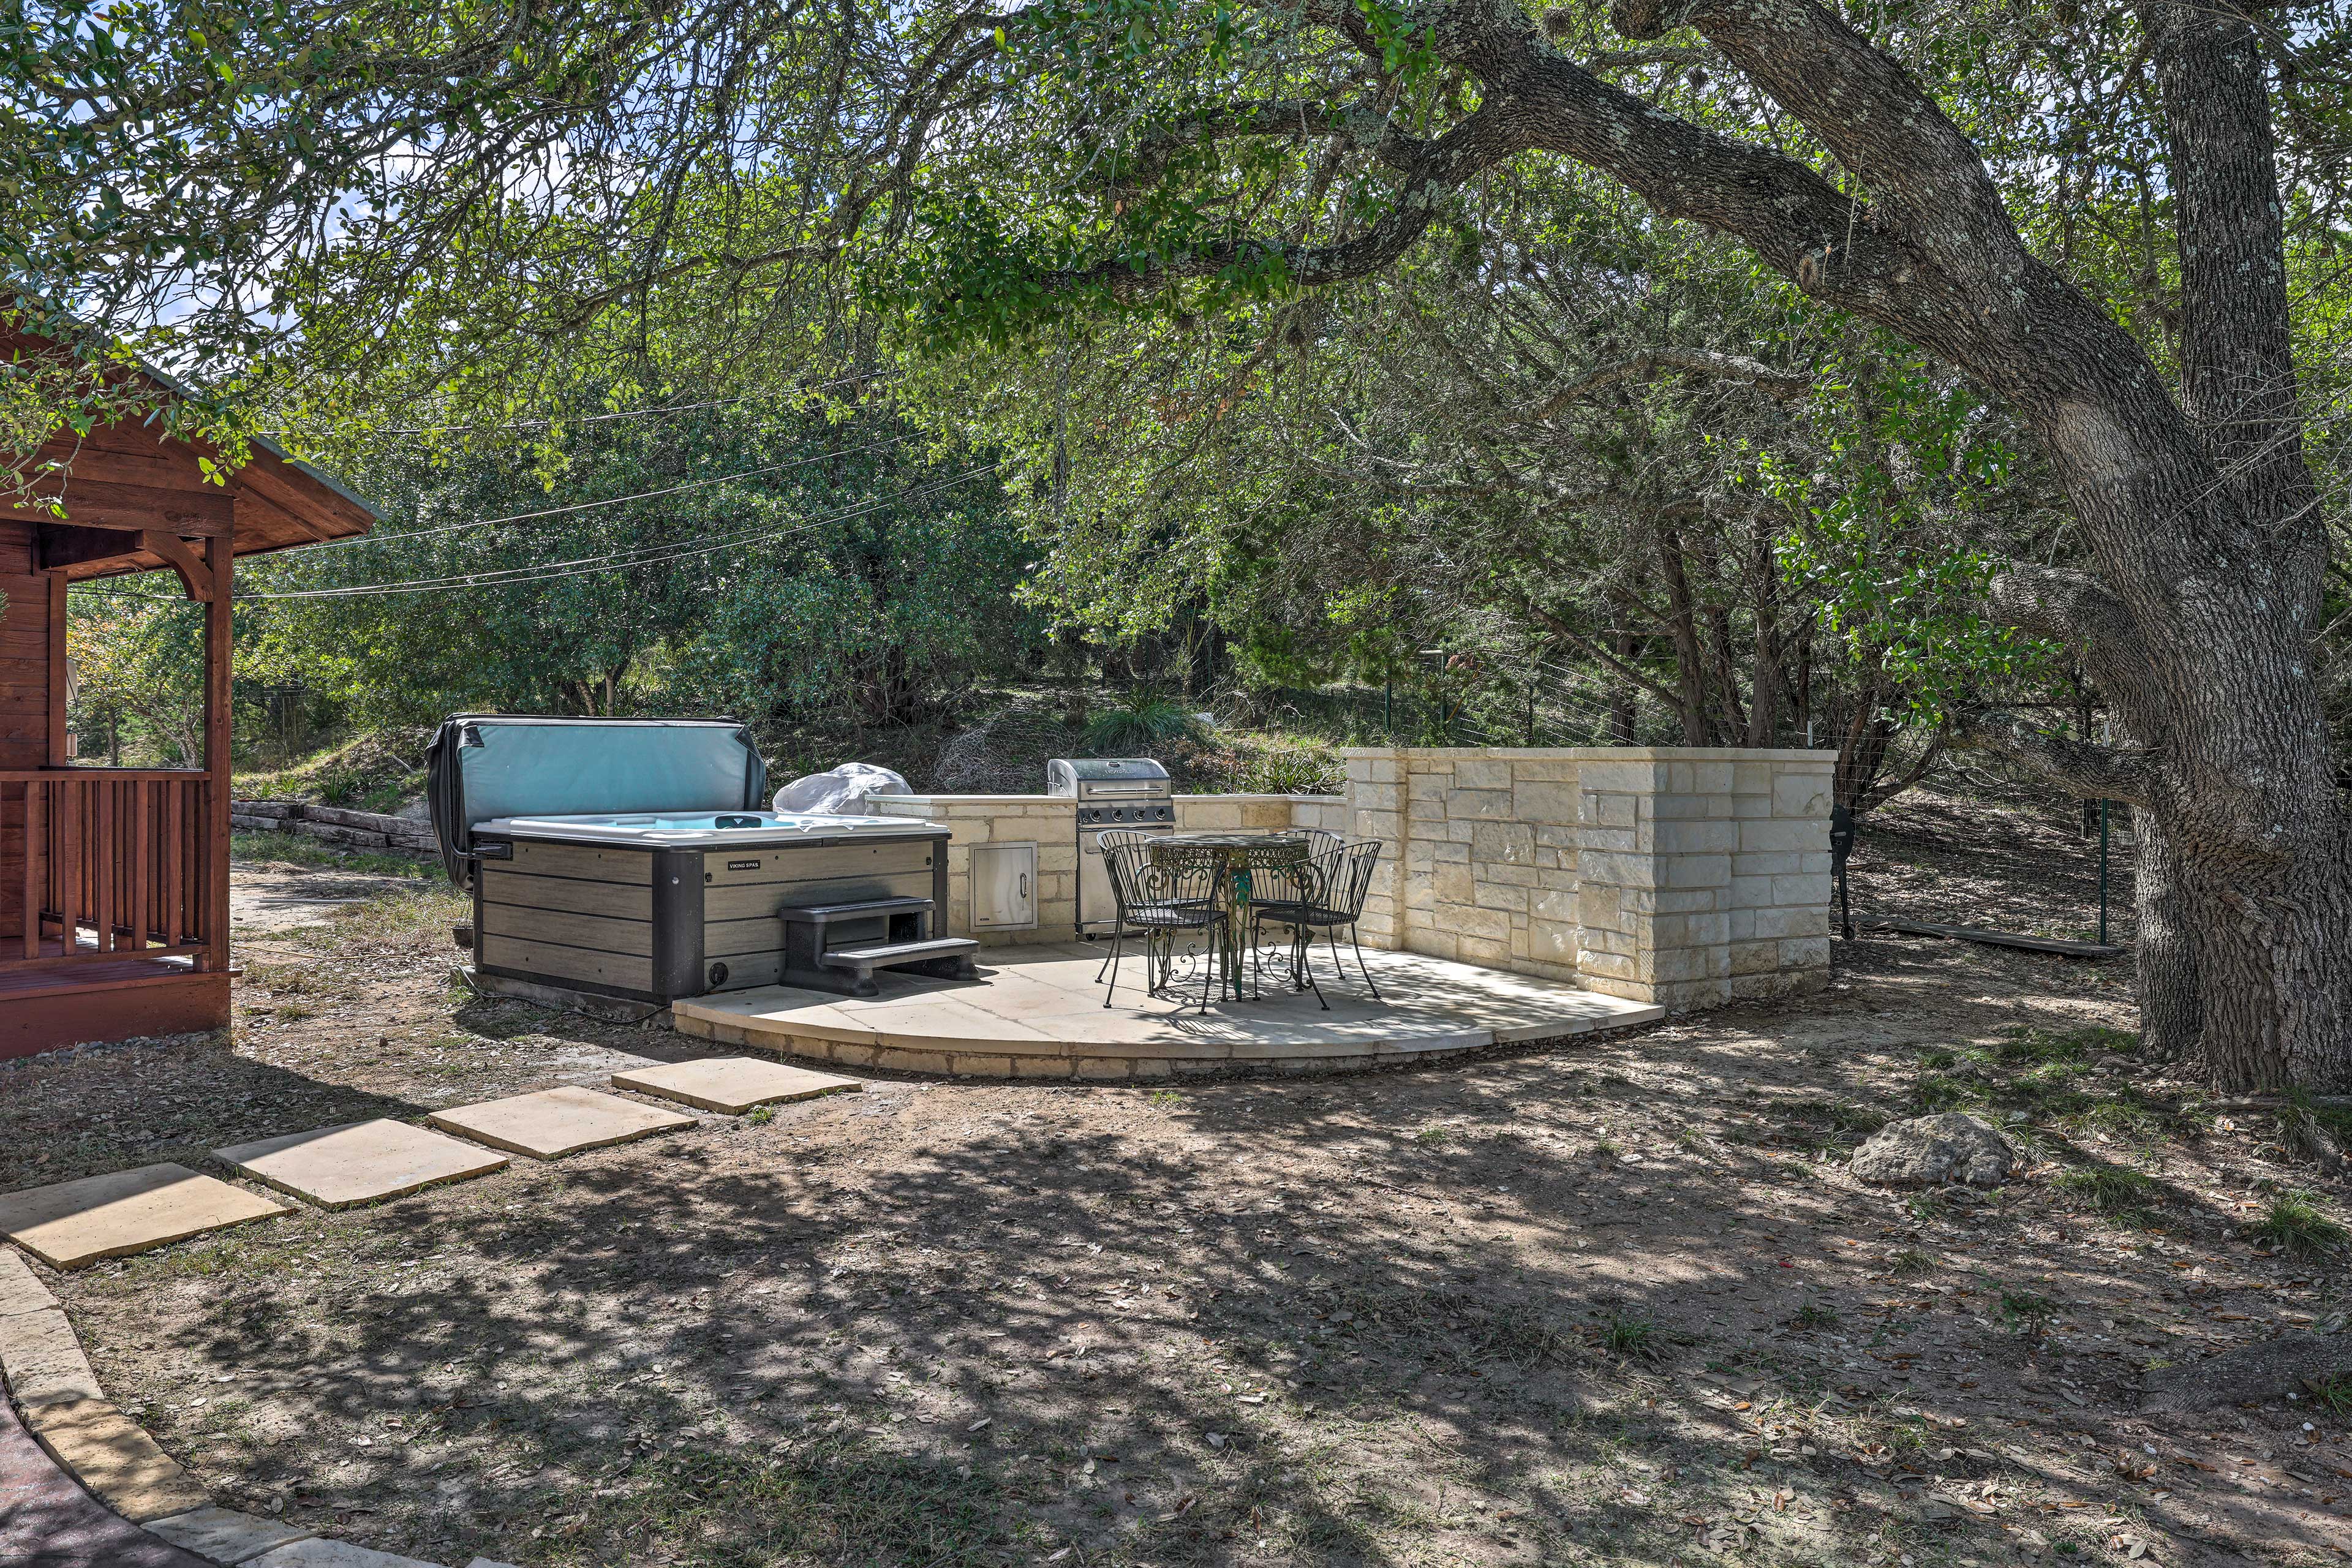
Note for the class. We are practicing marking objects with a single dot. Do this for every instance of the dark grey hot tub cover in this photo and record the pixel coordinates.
(481, 766)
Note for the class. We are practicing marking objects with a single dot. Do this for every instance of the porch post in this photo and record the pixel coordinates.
(220, 551)
(61, 754)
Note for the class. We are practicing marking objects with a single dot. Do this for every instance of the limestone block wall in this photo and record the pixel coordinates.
(1705, 874)
(1045, 821)
(1681, 876)
(1483, 853)
(1233, 813)
(1328, 812)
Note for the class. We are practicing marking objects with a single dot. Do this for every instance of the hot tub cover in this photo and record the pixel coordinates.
(485, 765)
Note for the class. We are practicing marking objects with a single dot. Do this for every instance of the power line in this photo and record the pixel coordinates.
(586, 565)
(618, 414)
(614, 560)
(612, 500)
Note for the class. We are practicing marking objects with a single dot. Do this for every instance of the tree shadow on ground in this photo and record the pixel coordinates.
(1345, 1321)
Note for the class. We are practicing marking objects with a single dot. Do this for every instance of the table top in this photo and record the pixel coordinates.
(1230, 840)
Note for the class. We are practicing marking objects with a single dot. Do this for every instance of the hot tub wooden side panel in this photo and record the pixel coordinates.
(656, 924)
(613, 901)
(592, 931)
(585, 861)
(542, 960)
(582, 916)
(744, 919)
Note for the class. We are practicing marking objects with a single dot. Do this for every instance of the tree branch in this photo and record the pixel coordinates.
(1306, 119)
(1783, 384)
(2071, 608)
(2079, 767)
(1468, 150)
(1634, 673)
(1875, 120)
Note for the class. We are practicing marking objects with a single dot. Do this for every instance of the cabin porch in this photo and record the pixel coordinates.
(114, 881)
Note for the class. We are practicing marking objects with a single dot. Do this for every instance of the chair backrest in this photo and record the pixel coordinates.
(1148, 874)
(1360, 858)
(1112, 839)
(1338, 881)
(1280, 868)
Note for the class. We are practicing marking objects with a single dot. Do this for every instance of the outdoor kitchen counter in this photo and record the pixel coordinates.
(1050, 821)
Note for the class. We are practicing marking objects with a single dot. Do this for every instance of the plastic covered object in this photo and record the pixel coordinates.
(839, 792)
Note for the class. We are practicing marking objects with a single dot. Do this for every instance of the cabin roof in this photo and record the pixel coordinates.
(126, 476)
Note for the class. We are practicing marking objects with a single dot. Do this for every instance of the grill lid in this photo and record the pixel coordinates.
(1070, 776)
(485, 765)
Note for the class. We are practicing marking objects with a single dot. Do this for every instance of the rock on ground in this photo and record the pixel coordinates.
(1928, 1150)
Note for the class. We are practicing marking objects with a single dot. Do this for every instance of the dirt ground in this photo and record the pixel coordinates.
(1616, 1300)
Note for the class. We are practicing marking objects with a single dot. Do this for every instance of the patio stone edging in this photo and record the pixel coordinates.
(65, 1410)
(119, 1463)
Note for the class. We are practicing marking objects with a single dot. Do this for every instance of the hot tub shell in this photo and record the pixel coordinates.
(650, 898)
(605, 907)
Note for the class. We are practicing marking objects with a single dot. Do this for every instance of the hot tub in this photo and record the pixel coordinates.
(631, 858)
(679, 830)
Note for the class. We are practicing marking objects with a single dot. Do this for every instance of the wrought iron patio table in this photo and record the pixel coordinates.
(1243, 857)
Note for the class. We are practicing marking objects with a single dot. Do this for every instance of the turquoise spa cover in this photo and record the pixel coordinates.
(482, 766)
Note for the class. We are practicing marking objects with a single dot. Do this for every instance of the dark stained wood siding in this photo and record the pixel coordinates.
(24, 704)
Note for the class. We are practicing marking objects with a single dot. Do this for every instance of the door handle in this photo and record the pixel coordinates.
(1025, 884)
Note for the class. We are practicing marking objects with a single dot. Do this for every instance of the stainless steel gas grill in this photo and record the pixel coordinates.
(1127, 792)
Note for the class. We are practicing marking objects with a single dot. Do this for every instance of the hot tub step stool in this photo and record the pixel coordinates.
(872, 933)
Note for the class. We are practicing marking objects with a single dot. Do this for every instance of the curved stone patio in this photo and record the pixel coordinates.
(1037, 1012)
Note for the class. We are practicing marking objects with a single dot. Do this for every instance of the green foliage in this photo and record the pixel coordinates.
(2116, 1191)
(1632, 1336)
(2332, 1393)
(2294, 1223)
(1282, 768)
(1144, 722)
(1907, 453)
(825, 583)
(2026, 1310)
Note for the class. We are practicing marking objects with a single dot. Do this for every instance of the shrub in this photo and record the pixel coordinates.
(1635, 1337)
(2295, 1223)
(1144, 723)
(2112, 1190)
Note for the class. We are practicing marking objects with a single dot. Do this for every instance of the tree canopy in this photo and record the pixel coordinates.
(1754, 364)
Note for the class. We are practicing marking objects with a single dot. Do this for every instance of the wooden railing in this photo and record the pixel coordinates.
(112, 861)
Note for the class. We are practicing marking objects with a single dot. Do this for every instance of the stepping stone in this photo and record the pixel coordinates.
(226, 1535)
(44, 1362)
(336, 1167)
(48, 1522)
(554, 1123)
(78, 1223)
(733, 1085)
(114, 1458)
(324, 1553)
(21, 1290)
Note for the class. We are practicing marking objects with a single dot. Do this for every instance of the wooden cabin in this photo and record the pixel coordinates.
(114, 881)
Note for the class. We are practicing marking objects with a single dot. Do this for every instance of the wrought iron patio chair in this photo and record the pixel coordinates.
(1160, 890)
(1332, 887)
(1108, 839)
(1319, 840)
(1280, 870)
